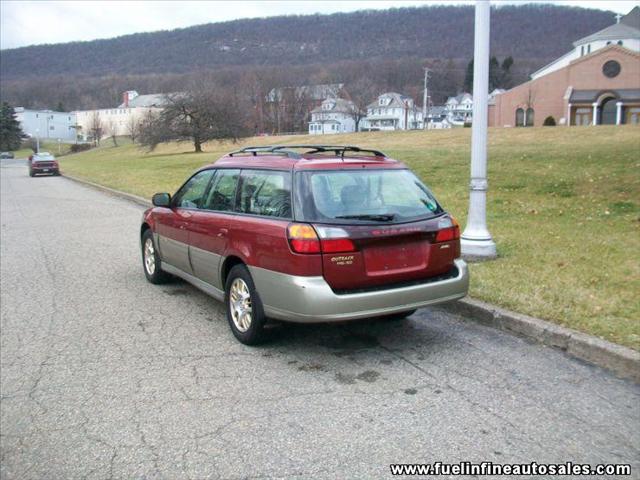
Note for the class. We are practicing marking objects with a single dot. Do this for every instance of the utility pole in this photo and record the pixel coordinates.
(476, 240)
(425, 98)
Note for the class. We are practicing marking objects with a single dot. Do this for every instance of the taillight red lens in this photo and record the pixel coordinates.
(449, 233)
(334, 239)
(303, 238)
(335, 245)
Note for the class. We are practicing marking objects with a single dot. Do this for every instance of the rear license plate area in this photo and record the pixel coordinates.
(385, 259)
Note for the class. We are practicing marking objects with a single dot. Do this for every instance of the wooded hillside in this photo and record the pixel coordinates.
(312, 47)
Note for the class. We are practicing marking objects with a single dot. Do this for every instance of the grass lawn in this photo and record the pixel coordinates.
(563, 207)
(52, 147)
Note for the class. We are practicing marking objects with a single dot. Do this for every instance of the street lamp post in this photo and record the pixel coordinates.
(476, 241)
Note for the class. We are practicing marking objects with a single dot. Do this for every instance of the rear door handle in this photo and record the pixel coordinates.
(223, 232)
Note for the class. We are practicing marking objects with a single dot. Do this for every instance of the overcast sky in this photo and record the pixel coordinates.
(46, 21)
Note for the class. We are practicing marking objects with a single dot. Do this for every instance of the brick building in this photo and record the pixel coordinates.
(598, 82)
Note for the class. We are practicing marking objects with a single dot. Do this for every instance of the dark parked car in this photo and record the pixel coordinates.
(306, 234)
(6, 155)
(43, 162)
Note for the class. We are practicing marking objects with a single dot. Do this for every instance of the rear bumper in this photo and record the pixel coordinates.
(45, 170)
(311, 299)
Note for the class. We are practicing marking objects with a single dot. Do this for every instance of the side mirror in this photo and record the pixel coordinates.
(161, 200)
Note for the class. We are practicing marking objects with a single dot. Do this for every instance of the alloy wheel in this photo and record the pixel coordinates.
(240, 305)
(149, 257)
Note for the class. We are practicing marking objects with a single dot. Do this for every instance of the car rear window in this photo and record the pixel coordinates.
(355, 196)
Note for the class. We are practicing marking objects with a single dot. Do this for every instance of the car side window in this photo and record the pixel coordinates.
(265, 192)
(222, 193)
(191, 194)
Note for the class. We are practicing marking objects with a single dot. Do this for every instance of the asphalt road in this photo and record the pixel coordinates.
(107, 376)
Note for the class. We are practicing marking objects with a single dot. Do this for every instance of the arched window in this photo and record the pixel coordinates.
(519, 117)
(530, 117)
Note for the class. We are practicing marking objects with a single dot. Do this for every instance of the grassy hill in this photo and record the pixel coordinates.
(564, 208)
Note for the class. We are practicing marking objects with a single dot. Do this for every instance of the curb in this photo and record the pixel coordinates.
(111, 191)
(622, 361)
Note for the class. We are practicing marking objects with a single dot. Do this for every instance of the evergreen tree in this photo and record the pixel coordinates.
(10, 131)
(507, 81)
(60, 107)
(499, 75)
(468, 77)
(495, 74)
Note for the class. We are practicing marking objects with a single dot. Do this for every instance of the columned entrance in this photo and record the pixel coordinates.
(608, 107)
(608, 112)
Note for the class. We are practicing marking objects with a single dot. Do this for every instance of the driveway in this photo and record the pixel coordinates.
(104, 375)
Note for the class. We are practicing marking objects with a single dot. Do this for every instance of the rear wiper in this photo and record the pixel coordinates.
(381, 217)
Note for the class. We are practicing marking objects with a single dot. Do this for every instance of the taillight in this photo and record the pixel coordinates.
(303, 238)
(449, 230)
(335, 240)
(336, 245)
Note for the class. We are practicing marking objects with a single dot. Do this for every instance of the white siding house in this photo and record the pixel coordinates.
(392, 111)
(459, 109)
(132, 109)
(334, 115)
(437, 118)
(47, 124)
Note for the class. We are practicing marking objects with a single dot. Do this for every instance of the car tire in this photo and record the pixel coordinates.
(31, 174)
(246, 318)
(151, 260)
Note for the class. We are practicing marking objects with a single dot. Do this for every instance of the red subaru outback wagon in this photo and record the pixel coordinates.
(306, 233)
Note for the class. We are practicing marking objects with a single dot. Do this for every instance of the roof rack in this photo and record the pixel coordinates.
(266, 149)
(339, 150)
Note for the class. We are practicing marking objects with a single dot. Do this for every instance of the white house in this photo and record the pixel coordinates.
(334, 115)
(437, 118)
(624, 33)
(132, 109)
(47, 124)
(459, 109)
(392, 111)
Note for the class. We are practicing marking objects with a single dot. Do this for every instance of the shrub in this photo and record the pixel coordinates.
(80, 147)
(549, 121)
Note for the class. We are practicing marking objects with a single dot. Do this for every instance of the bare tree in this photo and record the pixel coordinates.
(96, 128)
(531, 97)
(111, 129)
(133, 128)
(362, 93)
(202, 114)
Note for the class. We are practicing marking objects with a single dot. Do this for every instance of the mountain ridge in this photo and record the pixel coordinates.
(529, 31)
